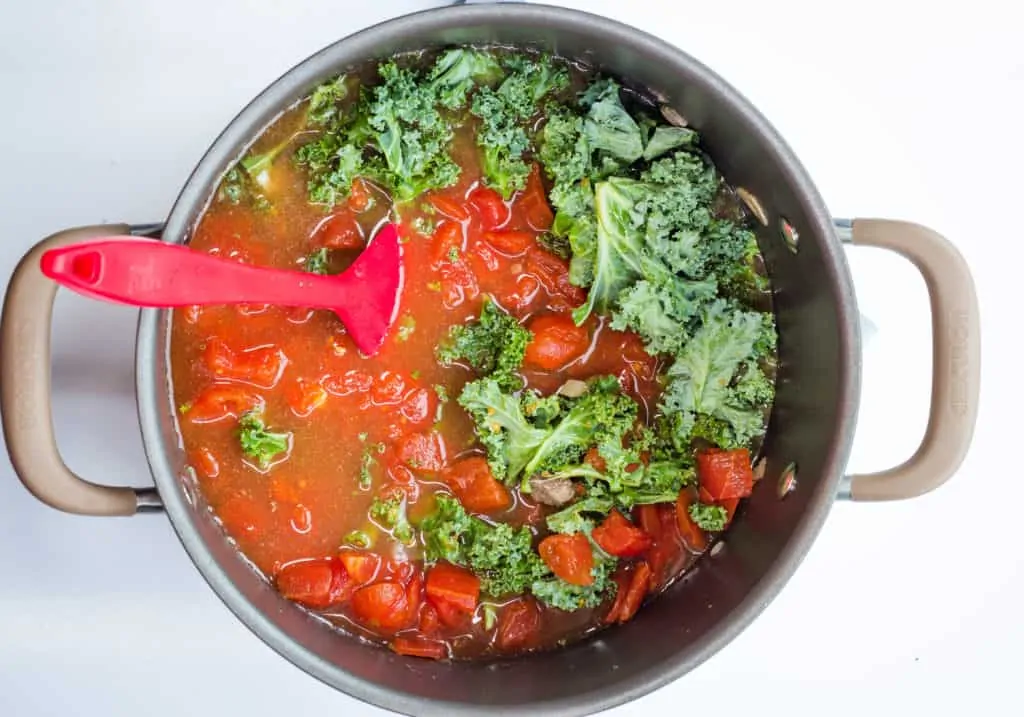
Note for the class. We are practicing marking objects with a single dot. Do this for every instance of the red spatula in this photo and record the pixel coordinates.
(143, 272)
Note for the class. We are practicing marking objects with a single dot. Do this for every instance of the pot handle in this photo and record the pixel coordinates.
(25, 391)
(956, 359)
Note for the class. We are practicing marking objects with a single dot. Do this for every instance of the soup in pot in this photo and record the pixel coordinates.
(565, 413)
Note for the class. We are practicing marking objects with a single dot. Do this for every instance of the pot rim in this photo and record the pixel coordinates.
(152, 388)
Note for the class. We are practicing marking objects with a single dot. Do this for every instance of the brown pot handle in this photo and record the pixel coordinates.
(956, 360)
(25, 392)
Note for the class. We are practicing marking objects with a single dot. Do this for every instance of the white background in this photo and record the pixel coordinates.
(898, 109)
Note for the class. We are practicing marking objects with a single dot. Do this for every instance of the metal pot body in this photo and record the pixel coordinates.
(811, 426)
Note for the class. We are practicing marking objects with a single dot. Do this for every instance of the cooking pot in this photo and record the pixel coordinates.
(807, 445)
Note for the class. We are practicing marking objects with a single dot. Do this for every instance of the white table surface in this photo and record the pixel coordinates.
(913, 605)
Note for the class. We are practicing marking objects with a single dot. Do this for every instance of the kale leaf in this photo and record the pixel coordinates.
(494, 345)
(259, 443)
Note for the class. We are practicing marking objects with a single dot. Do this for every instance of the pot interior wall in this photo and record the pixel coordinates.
(810, 425)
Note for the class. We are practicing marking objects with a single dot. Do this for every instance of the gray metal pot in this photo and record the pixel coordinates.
(811, 427)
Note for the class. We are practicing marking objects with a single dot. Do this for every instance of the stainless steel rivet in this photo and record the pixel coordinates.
(789, 235)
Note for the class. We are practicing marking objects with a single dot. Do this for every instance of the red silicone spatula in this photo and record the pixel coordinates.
(143, 272)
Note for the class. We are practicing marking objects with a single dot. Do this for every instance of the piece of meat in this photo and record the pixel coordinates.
(555, 492)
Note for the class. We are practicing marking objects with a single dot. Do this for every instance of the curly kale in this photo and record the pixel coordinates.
(398, 133)
(505, 115)
(259, 443)
(494, 345)
(525, 434)
(504, 558)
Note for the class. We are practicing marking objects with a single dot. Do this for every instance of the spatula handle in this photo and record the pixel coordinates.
(141, 272)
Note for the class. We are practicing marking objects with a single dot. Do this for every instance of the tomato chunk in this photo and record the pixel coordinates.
(383, 605)
(694, 538)
(220, 400)
(261, 366)
(453, 586)
(419, 647)
(340, 231)
(490, 207)
(569, 557)
(447, 244)
(508, 242)
(475, 485)
(314, 583)
(450, 207)
(359, 197)
(519, 624)
(619, 537)
(557, 341)
(637, 588)
(422, 451)
(659, 521)
(553, 273)
(429, 621)
(305, 396)
(532, 203)
(725, 474)
(361, 565)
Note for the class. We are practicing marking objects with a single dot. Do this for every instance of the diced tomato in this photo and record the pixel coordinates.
(306, 396)
(621, 577)
(594, 458)
(205, 463)
(694, 538)
(361, 565)
(351, 382)
(650, 520)
(314, 583)
(553, 273)
(519, 624)
(340, 231)
(639, 585)
(388, 389)
(475, 485)
(569, 557)
(422, 451)
(532, 203)
(222, 400)
(556, 342)
(457, 587)
(405, 483)
(414, 593)
(418, 406)
(619, 537)
(430, 623)
(483, 258)
(302, 519)
(449, 207)
(659, 521)
(419, 647)
(725, 474)
(508, 242)
(517, 298)
(447, 244)
(359, 197)
(490, 207)
(383, 605)
(452, 616)
(260, 366)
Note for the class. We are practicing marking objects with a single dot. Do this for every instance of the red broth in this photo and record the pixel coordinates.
(354, 421)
